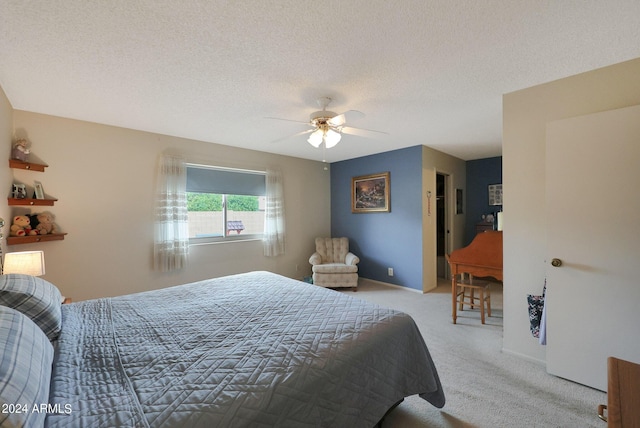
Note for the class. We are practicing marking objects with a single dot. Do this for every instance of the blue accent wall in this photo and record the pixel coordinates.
(480, 174)
(383, 240)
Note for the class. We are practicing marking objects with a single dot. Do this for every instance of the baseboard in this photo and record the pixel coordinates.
(392, 285)
(525, 357)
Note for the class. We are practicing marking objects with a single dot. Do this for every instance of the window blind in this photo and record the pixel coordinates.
(225, 181)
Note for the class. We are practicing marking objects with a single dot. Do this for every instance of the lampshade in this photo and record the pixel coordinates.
(26, 262)
(315, 139)
(331, 138)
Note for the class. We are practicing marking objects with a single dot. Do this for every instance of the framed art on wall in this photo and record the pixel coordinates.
(370, 193)
(459, 201)
(495, 194)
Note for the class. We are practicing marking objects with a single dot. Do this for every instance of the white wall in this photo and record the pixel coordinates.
(525, 115)
(104, 178)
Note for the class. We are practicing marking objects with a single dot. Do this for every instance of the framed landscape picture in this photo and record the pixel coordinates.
(370, 193)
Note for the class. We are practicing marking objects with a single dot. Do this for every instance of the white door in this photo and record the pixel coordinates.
(593, 227)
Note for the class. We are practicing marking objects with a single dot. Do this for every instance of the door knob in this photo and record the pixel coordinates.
(556, 262)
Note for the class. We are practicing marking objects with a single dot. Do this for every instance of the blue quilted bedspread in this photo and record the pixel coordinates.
(249, 350)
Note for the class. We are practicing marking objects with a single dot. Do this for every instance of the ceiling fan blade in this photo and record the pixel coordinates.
(337, 120)
(353, 114)
(360, 132)
(287, 120)
(292, 136)
(341, 119)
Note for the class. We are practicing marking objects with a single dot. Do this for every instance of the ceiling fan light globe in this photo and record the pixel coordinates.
(331, 138)
(315, 139)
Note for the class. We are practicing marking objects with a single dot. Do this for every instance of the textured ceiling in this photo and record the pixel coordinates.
(426, 72)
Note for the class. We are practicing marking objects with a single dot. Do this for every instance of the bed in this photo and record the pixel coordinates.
(254, 349)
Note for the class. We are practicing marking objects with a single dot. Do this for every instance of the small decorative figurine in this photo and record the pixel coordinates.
(20, 150)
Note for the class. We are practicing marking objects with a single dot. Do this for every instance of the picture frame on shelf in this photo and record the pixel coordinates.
(38, 190)
(371, 193)
(19, 191)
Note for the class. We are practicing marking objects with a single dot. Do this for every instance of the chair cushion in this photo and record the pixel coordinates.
(332, 250)
(335, 268)
(334, 280)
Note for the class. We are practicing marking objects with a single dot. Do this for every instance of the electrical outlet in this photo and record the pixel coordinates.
(297, 268)
(390, 272)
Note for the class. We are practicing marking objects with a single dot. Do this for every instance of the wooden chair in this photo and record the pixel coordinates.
(466, 288)
(623, 395)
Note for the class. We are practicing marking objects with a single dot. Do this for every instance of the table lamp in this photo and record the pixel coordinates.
(26, 262)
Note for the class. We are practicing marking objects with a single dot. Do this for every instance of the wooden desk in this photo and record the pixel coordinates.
(481, 258)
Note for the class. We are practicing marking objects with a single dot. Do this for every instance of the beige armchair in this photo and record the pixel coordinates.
(333, 265)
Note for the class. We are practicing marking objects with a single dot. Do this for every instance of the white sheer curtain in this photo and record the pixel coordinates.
(171, 240)
(274, 217)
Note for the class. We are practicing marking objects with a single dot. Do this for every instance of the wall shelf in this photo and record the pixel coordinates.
(17, 240)
(18, 164)
(31, 202)
(30, 239)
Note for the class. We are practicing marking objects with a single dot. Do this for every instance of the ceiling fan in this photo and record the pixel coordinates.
(327, 126)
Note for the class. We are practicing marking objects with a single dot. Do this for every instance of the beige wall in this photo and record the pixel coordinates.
(434, 162)
(525, 115)
(6, 134)
(104, 179)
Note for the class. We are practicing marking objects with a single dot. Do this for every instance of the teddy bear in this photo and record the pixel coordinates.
(22, 226)
(20, 150)
(45, 224)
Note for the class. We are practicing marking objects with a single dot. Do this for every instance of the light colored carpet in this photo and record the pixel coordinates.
(484, 387)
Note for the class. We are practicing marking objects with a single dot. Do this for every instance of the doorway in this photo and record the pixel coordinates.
(442, 230)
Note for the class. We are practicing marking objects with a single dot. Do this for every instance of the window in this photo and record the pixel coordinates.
(225, 204)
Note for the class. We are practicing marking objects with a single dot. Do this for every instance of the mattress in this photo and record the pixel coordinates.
(254, 349)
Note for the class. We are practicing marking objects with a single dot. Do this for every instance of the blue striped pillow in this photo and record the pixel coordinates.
(26, 356)
(36, 298)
